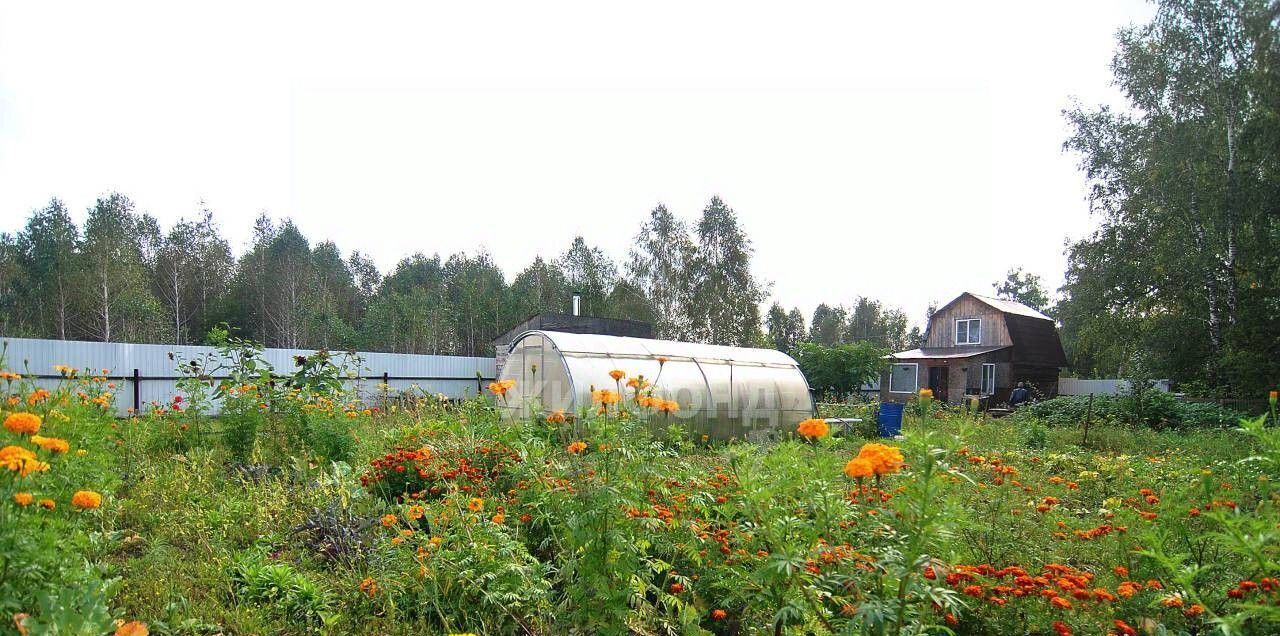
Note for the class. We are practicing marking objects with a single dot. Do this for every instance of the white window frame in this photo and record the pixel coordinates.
(915, 377)
(983, 381)
(969, 331)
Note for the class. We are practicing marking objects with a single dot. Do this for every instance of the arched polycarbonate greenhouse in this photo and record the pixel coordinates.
(723, 392)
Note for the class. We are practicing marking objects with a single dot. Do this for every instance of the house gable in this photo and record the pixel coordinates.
(942, 326)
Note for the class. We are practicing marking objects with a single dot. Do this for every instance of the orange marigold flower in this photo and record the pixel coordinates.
(1121, 571)
(369, 586)
(813, 428)
(475, 504)
(556, 416)
(52, 444)
(677, 588)
(1061, 629)
(389, 520)
(576, 447)
(498, 518)
(858, 467)
(1194, 610)
(21, 461)
(617, 374)
(415, 512)
(884, 459)
(605, 396)
(668, 406)
(23, 498)
(926, 393)
(718, 614)
(23, 423)
(48, 503)
(1124, 628)
(1060, 602)
(132, 628)
(663, 360)
(86, 499)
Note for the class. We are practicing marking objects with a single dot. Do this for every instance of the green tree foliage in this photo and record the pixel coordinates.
(724, 300)
(659, 268)
(837, 371)
(46, 251)
(1182, 277)
(111, 290)
(124, 277)
(1023, 287)
(590, 272)
(785, 329)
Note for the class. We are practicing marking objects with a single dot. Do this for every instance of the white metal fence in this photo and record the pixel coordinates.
(144, 373)
(1076, 386)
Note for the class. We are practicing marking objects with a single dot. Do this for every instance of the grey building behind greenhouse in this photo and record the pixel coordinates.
(569, 323)
(723, 392)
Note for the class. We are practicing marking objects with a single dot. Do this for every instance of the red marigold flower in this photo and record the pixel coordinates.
(1061, 629)
(1121, 571)
(1060, 602)
(718, 614)
(1124, 628)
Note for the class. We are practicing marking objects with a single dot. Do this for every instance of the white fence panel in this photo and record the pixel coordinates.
(1076, 386)
(456, 377)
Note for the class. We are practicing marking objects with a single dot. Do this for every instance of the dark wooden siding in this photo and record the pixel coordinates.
(1035, 341)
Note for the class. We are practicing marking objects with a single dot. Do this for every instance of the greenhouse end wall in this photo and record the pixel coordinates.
(722, 392)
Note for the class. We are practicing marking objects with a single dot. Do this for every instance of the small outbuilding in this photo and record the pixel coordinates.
(979, 346)
(569, 323)
(722, 392)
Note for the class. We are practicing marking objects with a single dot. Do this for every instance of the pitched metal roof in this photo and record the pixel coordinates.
(934, 353)
(1009, 306)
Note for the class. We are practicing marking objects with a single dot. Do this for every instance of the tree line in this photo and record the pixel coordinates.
(121, 277)
(1182, 278)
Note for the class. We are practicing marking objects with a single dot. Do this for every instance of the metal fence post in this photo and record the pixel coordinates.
(137, 392)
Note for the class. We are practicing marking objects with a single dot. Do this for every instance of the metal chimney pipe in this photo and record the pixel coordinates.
(577, 304)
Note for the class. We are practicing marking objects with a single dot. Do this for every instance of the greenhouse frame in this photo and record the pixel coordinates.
(722, 392)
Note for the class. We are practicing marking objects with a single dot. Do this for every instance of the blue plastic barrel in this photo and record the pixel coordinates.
(889, 419)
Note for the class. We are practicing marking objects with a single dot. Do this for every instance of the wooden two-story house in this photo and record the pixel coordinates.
(978, 345)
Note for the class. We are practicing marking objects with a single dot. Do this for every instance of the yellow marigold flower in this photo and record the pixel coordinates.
(86, 499)
(23, 498)
(80, 452)
(617, 374)
(859, 467)
(48, 503)
(132, 628)
(813, 428)
(926, 393)
(476, 504)
(23, 423)
(576, 447)
(52, 444)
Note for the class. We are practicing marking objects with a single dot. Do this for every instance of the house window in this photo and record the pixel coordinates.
(969, 331)
(988, 379)
(902, 378)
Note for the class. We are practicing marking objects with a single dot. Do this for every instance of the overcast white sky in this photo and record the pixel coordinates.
(904, 151)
